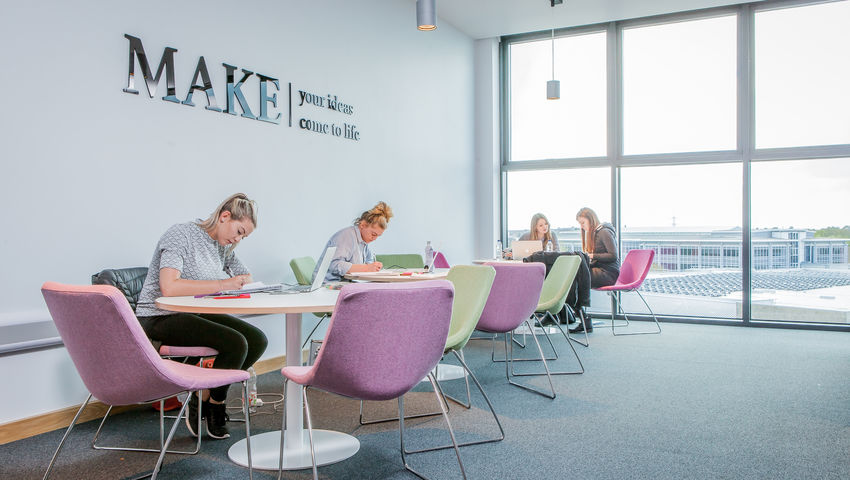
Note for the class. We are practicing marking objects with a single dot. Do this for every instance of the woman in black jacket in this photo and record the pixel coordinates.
(599, 241)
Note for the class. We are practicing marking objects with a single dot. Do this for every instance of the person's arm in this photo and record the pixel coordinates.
(555, 242)
(610, 254)
(171, 285)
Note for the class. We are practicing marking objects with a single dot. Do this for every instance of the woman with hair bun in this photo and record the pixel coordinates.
(352, 244)
(196, 258)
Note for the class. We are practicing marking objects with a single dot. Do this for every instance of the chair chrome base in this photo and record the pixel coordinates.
(614, 325)
(509, 367)
(165, 444)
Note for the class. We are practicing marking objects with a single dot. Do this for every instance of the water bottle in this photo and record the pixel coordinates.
(429, 256)
(253, 401)
(498, 253)
(549, 246)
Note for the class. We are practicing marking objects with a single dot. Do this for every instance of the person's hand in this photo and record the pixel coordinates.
(373, 267)
(508, 255)
(235, 282)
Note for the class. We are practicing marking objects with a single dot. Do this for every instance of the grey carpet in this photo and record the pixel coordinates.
(702, 402)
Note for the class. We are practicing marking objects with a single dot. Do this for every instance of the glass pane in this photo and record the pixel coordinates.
(573, 126)
(558, 194)
(690, 215)
(801, 232)
(679, 91)
(801, 76)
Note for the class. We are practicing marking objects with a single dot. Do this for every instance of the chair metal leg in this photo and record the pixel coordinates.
(522, 344)
(64, 437)
(583, 322)
(501, 437)
(448, 422)
(247, 429)
(168, 441)
(569, 343)
(310, 335)
(161, 434)
(363, 420)
(657, 325)
(282, 431)
(468, 404)
(310, 433)
(509, 368)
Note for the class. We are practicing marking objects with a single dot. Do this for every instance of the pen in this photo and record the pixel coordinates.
(243, 295)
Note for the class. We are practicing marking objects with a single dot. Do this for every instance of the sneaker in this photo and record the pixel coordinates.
(216, 420)
(192, 414)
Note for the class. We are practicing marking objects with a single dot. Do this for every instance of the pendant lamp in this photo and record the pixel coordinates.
(426, 14)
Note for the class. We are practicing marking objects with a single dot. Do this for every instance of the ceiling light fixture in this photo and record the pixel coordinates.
(553, 87)
(426, 14)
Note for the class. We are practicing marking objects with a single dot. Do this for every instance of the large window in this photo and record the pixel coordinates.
(573, 126)
(679, 87)
(691, 216)
(726, 134)
(801, 236)
(802, 75)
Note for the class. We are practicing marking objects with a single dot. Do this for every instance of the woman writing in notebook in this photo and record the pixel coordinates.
(353, 253)
(196, 258)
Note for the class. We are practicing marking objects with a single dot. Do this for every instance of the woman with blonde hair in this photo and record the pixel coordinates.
(353, 253)
(599, 241)
(540, 230)
(196, 258)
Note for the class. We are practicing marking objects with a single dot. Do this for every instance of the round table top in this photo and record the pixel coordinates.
(321, 300)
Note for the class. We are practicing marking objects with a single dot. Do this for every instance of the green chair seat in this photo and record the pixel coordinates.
(401, 260)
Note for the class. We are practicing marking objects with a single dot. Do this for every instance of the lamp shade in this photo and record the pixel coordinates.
(553, 90)
(426, 14)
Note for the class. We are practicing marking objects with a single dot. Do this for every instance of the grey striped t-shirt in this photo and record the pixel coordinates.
(186, 247)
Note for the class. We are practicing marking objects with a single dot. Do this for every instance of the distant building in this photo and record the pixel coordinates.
(684, 248)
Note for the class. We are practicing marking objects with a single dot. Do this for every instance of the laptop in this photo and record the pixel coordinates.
(320, 275)
(523, 248)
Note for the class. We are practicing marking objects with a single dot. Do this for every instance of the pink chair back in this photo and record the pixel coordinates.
(513, 296)
(633, 271)
(440, 261)
(111, 352)
(383, 339)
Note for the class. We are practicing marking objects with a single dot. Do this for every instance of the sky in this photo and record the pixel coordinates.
(680, 95)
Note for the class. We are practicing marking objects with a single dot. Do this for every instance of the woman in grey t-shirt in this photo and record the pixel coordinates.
(196, 258)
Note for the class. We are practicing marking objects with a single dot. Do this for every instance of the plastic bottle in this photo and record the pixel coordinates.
(429, 256)
(549, 246)
(498, 252)
(253, 401)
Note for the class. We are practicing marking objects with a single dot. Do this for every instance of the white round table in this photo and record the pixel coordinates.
(331, 446)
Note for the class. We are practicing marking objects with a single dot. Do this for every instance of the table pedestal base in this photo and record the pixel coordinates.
(331, 447)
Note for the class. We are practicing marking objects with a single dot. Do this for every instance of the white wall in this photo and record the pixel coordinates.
(92, 175)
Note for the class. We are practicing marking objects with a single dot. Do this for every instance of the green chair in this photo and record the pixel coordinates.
(303, 268)
(552, 299)
(472, 288)
(401, 260)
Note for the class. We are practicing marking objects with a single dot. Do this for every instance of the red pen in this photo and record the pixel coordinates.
(243, 295)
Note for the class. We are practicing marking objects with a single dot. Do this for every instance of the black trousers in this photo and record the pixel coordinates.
(599, 277)
(239, 344)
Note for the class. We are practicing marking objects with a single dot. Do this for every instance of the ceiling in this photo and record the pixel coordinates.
(494, 18)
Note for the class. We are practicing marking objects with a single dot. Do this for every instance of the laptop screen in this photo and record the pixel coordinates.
(323, 268)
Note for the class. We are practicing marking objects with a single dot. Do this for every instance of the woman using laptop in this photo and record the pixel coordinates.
(599, 241)
(540, 231)
(352, 244)
(196, 258)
